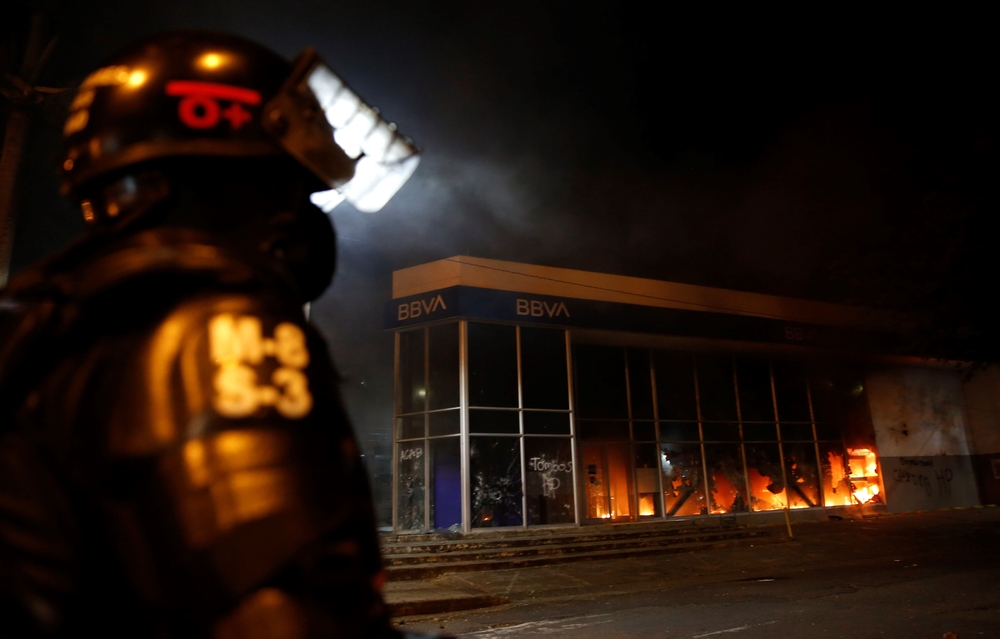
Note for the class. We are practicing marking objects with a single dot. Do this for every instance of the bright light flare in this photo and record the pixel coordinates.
(385, 158)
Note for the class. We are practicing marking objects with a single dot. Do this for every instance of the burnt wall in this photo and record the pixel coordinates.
(923, 439)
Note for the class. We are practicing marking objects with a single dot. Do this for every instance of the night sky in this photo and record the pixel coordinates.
(750, 151)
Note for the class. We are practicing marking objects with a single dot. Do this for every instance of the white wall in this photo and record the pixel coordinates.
(922, 435)
(918, 412)
(982, 410)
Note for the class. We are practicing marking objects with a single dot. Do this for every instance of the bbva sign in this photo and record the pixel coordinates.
(538, 308)
(411, 310)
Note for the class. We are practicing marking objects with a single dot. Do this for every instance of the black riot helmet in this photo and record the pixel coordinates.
(189, 94)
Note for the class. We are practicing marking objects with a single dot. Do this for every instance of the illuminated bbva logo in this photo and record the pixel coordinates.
(418, 308)
(538, 308)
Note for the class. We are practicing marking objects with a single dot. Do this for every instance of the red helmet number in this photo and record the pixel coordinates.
(200, 106)
(199, 111)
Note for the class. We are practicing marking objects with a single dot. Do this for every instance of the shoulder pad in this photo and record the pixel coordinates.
(215, 362)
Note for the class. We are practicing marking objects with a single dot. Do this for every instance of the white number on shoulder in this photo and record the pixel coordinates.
(238, 348)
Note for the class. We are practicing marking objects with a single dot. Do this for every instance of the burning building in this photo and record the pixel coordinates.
(533, 396)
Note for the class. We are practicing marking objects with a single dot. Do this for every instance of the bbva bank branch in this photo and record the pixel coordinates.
(535, 396)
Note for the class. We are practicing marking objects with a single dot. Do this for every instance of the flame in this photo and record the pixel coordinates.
(858, 485)
(646, 505)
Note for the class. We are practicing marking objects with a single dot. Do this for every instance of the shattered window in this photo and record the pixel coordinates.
(726, 483)
(683, 479)
(836, 474)
(767, 485)
(495, 481)
(802, 474)
(647, 483)
(410, 489)
(549, 473)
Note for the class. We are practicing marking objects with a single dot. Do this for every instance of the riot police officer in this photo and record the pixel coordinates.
(174, 456)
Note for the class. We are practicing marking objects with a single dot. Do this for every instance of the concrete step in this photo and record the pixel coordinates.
(424, 544)
(570, 546)
(429, 570)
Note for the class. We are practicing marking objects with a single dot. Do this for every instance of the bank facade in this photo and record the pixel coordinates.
(537, 396)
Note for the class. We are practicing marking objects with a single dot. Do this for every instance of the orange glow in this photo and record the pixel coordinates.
(760, 497)
(863, 466)
(647, 505)
(724, 495)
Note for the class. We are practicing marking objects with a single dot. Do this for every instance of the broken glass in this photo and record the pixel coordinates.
(549, 473)
(725, 478)
(495, 481)
(802, 474)
(683, 484)
(410, 490)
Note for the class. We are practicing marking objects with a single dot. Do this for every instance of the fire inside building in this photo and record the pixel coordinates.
(538, 396)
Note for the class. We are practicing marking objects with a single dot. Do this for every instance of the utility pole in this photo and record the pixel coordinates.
(23, 95)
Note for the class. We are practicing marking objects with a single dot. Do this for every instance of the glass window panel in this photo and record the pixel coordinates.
(647, 484)
(839, 396)
(675, 397)
(640, 384)
(790, 389)
(721, 432)
(446, 480)
(493, 421)
(796, 432)
(767, 486)
(754, 379)
(835, 473)
(443, 370)
(546, 423)
(836, 391)
(495, 474)
(543, 368)
(600, 381)
(410, 427)
(492, 365)
(683, 487)
(803, 477)
(828, 431)
(609, 480)
(602, 430)
(444, 423)
(549, 473)
(760, 432)
(410, 492)
(644, 431)
(411, 372)
(679, 432)
(726, 482)
(715, 388)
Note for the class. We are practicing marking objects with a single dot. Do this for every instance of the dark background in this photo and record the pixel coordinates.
(838, 155)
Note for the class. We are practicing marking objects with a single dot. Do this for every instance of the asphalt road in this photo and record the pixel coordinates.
(904, 576)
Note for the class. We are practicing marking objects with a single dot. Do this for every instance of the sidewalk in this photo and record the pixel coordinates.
(869, 540)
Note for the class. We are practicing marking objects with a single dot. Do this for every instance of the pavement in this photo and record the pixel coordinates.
(825, 557)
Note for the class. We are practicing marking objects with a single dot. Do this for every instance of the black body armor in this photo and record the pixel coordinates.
(174, 457)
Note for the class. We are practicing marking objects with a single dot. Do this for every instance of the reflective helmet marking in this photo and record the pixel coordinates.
(199, 107)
